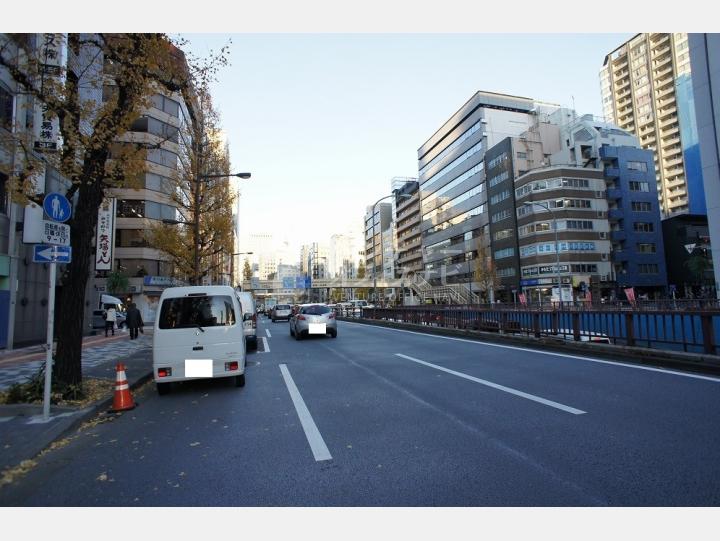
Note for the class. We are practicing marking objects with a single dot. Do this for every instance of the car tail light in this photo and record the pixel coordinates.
(254, 320)
(233, 365)
(301, 317)
(164, 372)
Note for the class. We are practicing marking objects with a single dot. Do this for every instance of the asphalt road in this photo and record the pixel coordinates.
(381, 417)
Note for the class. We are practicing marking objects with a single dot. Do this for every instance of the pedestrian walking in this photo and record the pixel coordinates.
(110, 319)
(134, 321)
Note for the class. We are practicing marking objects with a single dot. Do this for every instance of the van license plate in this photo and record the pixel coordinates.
(316, 328)
(198, 368)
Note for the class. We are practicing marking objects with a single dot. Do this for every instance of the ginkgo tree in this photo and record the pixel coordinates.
(94, 98)
(202, 236)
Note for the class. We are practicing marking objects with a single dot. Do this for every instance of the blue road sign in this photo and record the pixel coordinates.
(288, 282)
(46, 253)
(57, 207)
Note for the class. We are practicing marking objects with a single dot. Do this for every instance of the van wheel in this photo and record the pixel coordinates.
(333, 334)
(240, 380)
(163, 388)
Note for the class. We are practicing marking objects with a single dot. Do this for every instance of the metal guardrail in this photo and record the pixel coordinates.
(693, 328)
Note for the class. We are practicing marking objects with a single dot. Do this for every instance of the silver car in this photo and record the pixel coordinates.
(281, 311)
(312, 319)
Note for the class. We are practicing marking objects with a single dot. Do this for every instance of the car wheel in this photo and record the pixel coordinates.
(333, 334)
(240, 380)
(163, 388)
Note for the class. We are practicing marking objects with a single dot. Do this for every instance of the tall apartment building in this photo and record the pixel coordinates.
(342, 256)
(407, 229)
(451, 171)
(705, 63)
(647, 90)
(376, 223)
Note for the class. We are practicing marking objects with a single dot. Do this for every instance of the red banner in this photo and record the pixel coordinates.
(630, 294)
(523, 299)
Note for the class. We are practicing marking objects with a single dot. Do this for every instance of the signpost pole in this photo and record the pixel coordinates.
(49, 345)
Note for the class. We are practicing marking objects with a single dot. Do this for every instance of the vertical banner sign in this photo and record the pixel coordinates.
(104, 236)
(52, 56)
(523, 299)
(630, 294)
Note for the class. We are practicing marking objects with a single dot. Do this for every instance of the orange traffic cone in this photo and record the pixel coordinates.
(123, 399)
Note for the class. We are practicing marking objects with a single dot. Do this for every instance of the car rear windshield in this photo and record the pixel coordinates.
(282, 307)
(315, 310)
(206, 311)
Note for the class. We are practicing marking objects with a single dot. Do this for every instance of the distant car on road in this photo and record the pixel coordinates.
(281, 311)
(313, 319)
(249, 315)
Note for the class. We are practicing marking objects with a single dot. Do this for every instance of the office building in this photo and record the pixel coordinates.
(705, 61)
(451, 171)
(377, 224)
(647, 90)
(407, 229)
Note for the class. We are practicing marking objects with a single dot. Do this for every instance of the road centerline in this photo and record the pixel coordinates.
(510, 390)
(314, 438)
(266, 347)
(267, 331)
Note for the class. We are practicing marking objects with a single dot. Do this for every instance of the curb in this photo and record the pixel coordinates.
(692, 362)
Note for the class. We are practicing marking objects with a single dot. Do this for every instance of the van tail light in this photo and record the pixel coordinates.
(164, 372)
(301, 317)
(233, 365)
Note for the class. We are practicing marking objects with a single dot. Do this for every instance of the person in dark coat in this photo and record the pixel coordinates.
(134, 321)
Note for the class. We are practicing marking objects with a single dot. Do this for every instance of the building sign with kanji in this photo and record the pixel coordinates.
(104, 236)
(52, 57)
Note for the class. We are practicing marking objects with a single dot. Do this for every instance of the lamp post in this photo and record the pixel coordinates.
(196, 212)
(402, 195)
(557, 244)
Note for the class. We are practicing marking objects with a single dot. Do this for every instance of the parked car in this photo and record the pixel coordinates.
(249, 318)
(585, 336)
(98, 319)
(315, 319)
(198, 334)
(281, 311)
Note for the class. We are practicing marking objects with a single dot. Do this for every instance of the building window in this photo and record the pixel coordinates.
(522, 155)
(165, 104)
(579, 224)
(646, 248)
(502, 196)
(648, 268)
(499, 216)
(641, 206)
(6, 109)
(504, 234)
(636, 186)
(644, 227)
(503, 273)
(507, 252)
(637, 166)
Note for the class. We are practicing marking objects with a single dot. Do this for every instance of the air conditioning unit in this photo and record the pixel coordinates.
(603, 235)
(603, 278)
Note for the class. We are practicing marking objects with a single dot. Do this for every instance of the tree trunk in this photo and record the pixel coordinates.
(68, 367)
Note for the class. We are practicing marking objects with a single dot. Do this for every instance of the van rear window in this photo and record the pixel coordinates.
(282, 307)
(187, 312)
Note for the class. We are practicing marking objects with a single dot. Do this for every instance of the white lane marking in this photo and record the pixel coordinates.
(5, 419)
(532, 397)
(267, 331)
(315, 439)
(266, 348)
(590, 359)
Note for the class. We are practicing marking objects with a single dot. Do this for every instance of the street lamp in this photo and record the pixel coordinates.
(402, 195)
(557, 244)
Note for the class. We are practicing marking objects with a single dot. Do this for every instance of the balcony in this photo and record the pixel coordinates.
(607, 152)
(618, 236)
(611, 172)
(614, 193)
(615, 214)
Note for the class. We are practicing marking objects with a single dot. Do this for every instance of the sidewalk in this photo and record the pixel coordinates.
(24, 433)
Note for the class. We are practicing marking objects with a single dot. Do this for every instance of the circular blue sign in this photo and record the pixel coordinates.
(57, 207)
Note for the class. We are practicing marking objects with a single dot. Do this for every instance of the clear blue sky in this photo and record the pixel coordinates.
(324, 121)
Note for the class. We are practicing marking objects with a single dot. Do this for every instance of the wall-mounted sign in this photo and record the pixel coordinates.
(104, 236)
(52, 51)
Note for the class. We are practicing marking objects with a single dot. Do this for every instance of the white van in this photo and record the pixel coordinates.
(247, 301)
(198, 334)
